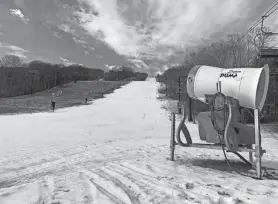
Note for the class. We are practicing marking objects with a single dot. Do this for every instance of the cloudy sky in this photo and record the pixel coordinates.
(146, 34)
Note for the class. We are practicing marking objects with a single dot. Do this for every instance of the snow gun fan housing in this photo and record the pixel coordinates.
(241, 87)
(247, 85)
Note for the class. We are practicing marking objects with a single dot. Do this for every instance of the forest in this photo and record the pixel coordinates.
(122, 72)
(20, 78)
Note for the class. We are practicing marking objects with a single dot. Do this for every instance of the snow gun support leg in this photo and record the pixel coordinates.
(258, 147)
(172, 141)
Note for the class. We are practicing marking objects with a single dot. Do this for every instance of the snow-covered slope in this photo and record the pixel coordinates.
(115, 151)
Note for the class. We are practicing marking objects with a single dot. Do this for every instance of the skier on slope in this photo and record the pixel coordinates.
(53, 102)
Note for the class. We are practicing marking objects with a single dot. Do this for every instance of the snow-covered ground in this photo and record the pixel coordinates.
(115, 151)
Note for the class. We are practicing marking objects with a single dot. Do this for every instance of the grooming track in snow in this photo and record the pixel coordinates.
(116, 151)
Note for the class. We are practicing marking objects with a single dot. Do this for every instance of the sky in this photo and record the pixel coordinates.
(148, 35)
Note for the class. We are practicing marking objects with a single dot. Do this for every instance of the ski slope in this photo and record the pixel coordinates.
(115, 151)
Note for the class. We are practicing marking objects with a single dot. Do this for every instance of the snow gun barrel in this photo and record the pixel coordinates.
(248, 85)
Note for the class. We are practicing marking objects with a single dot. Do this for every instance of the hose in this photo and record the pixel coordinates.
(183, 128)
(219, 109)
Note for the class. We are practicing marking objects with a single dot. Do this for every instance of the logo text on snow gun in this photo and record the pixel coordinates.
(230, 74)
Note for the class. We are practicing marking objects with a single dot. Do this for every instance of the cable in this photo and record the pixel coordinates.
(251, 28)
(259, 21)
(272, 11)
(271, 8)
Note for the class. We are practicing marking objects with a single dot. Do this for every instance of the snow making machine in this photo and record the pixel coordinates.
(227, 92)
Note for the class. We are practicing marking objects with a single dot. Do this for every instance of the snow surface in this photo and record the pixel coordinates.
(115, 151)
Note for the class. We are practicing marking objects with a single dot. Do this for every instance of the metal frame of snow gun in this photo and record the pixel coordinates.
(257, 150)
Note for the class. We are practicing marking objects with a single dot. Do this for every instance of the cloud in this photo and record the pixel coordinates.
(66, 28)
(75, 36)
(139, 63)
(165, 67)
(57, 35)
(159, 29)
(17, 53)
(110, 66)
(108, 27)
(79, 41)
(14, 50)
(18, 13)
(67, 62)
(99, 56)
(145, 33)
(114, 67)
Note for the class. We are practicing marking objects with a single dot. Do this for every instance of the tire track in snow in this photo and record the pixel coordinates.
(151, 184)
(153, 192)
(71, 188)
(132, 187)
(107, 187)
(55, 166)
(61, 154)
(132, 196)
(60, 166)
(62, 158)
(148, 186)
(65, 157)
(50, 148)
(139, 186)
(52, 156)
(113, 198)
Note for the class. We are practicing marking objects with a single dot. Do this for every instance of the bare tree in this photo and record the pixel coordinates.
(11, 61)
(232, 52)
(258, 40)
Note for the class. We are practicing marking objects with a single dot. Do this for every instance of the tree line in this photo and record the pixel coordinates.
(123, 72)
(233, 51)
(20, 78)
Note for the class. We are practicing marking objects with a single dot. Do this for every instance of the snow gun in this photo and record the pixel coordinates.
(227, 92)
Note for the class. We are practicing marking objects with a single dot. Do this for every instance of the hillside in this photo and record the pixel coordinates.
(67, 95)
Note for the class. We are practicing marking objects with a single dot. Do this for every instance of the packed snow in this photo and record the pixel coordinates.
(116, 150)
